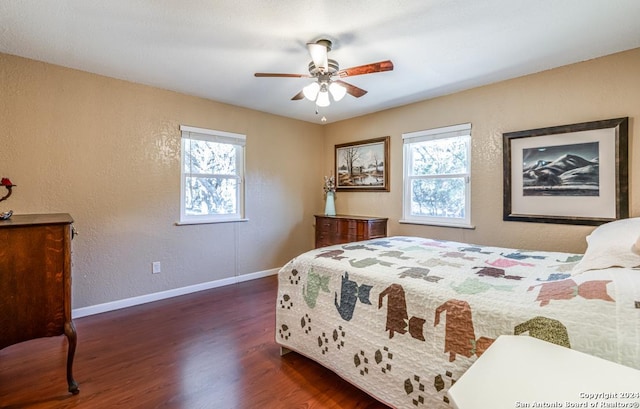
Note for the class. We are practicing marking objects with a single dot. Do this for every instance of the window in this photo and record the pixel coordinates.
(437, 176)
(212, 176)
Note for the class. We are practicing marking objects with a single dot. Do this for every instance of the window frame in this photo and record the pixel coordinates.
(238, 140)
(447, 132)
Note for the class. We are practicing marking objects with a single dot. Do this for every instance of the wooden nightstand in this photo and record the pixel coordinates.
(345, 229)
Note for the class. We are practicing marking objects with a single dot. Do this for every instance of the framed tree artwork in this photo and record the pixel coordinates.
(363, 166)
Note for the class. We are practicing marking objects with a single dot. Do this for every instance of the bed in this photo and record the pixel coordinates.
(403, 318)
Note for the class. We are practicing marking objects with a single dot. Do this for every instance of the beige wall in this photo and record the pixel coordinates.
(604, 88)
(107, 152)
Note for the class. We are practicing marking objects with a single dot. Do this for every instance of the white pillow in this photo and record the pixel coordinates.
(614, 244)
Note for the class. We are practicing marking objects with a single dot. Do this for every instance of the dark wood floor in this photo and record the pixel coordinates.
(211, 349)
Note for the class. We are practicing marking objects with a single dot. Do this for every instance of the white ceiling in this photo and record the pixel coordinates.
(212, 48)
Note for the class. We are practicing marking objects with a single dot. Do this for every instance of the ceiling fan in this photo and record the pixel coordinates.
(326, 71)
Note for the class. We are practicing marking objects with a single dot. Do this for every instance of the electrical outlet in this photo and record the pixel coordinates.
(155, 267)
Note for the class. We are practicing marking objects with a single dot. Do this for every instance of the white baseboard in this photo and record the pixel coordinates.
(143, 299)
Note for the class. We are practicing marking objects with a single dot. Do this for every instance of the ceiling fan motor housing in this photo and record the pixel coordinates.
(333, 68)
(325, 42)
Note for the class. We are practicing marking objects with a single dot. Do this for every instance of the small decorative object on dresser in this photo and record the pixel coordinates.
(9, 186)
(330, 206)
(346, 229)
(35, 281)
(330, 192)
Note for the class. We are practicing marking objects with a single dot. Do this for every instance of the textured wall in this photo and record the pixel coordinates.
(107, 152)
(603, 88)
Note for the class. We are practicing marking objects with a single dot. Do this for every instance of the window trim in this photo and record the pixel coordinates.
(239, 140)
(460, 130)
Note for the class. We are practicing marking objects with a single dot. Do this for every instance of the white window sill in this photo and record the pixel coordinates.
(431, 223)
(191, 222)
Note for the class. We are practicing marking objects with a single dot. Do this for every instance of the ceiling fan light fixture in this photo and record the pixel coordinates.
(318, 54)
(323, 99)
(311, 91)
(327, 76)
(337, 91)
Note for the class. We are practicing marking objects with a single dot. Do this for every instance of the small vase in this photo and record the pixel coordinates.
(329, 206)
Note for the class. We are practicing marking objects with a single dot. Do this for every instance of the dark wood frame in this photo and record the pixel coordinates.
(359, 145)
(620, 126)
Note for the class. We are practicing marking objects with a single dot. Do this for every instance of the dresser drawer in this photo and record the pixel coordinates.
(341, 229)
(377, 229)
(327, 225)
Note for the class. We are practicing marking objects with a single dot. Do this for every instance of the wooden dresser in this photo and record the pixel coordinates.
(345, 229)
(35, 281)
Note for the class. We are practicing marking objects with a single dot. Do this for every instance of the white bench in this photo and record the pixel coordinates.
(525, 372)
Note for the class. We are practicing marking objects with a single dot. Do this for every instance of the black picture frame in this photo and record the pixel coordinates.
(569, 189)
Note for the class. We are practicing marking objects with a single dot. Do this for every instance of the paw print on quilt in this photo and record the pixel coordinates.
(361, 362)
(284, 332)
(323, 343)
(285, 302)
(305, 323)
(294, 277)
(383, 359)
(415, 390)
(338, 337)
(440, 382)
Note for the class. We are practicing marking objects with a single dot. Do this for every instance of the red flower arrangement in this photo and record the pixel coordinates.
(8, 185)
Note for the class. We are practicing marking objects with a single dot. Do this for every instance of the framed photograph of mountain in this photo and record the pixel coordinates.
(571, 174)
(363, 166)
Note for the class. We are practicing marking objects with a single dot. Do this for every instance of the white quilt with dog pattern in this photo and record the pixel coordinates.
(403, 317)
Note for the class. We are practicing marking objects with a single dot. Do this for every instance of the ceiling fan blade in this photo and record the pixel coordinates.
(298, 96)
(352, 89)
(318, 52)
(277, 75)
(366, 69)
